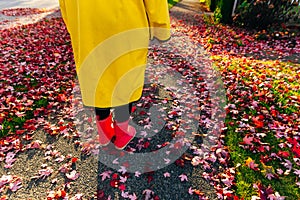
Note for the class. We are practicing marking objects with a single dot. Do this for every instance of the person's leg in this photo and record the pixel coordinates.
(122, 113)
(102, 113)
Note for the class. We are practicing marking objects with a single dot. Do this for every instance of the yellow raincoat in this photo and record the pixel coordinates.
(110, 45)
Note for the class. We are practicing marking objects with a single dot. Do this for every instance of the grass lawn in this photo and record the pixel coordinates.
(260, 125)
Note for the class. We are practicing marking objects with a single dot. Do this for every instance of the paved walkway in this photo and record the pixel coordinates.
(48, 4)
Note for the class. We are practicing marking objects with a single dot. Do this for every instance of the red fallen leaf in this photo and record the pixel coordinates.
(260, 117)
(122, 187)
(90, 120)
(251, 164)
(60, 194)
(247, 140)
(74, 159)
(133, 109)
(292, 141)
(149, 178)
(198, 192)
(283, 154)
(115, 176)
(36, 112)
(62, 128)
(296, 151)
(165, 144)
(179, 162)
(156, 198)
(265, 159)
(258, 122)
(268, 85)
(4, 197)
(61, 98)
(231, 123)
(273, 113)
(20, 132)
(114, 183)
(100, 194)
(259, 94)
(291, 79)
(27, 137)
(142, 113)
(261, 148)
(146, 144)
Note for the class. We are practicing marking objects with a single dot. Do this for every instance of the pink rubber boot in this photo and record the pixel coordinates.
(105, 130)
(124, 134)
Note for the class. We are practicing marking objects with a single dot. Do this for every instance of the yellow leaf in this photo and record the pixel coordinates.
(248, 161)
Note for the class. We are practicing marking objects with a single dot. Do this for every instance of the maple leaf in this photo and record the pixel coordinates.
(167, 161)
(284, 154)
(268, 171)
(124, 194)
(122, 187)
(296, 151)
(196, 160)
(73, 175)
(148, 194)
(287, 164)
(43, 173)
(191, 190)
(183, 177)
(258, 122)
(105, 175)
(123, 179)
(144, 134)
(137, 174)
(115, 161)
(77, 197)
(247, 140)
(60, 159)
(9, 160)
(35, 144)
(167, 174)
(251, 164)
(132, 196)
(123, 170)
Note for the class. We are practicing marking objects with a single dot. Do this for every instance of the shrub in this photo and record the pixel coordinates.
(261, 14)
(211, 4)
(223, 11)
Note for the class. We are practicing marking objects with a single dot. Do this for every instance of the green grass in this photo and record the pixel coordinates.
(282, 87)
(172, 3)
(245, 176)
(12, 123)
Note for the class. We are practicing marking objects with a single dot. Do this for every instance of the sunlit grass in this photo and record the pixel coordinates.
(282, 85)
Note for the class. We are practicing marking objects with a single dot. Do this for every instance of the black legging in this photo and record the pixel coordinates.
(122, 113)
